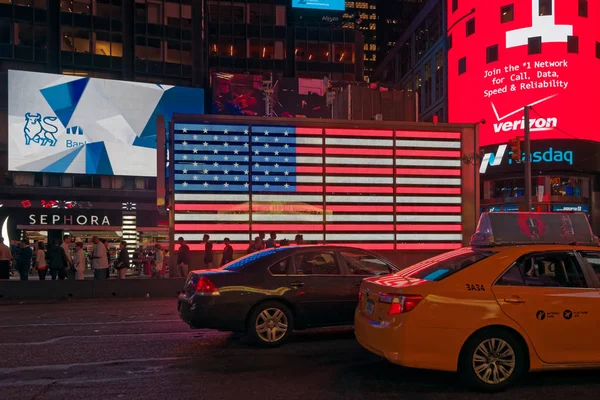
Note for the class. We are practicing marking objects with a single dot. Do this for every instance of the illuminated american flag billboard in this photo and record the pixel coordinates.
(380, 189)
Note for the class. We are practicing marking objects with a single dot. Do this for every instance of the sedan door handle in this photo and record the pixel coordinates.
(515, 300)
(297, 284)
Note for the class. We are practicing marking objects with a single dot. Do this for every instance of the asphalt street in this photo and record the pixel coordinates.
(140, 349)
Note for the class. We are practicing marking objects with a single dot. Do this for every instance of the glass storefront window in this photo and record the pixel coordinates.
(568, 186)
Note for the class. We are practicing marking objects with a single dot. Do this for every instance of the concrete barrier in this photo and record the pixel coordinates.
(90, 289)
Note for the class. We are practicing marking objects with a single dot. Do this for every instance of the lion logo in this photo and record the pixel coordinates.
(40, 131)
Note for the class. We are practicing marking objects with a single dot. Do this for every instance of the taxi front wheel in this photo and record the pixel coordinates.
(492, 360)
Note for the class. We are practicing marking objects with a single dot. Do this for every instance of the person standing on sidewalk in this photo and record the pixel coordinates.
(41, 265)
(122, 263)
(99, 260)
(5, 259)
(271, 244)
(183, 258)
(79, 261)
(70, 265)
(158, 262)
(208, 252)
(24, 260)
(227, 253)
(57, 261)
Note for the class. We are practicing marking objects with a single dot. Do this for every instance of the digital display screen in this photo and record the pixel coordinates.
(504, 57)
(79, 125)
(377, 189)
(329, 5)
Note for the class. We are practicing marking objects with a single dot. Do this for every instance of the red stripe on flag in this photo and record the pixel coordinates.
(287, 228)
(353, 151)
(428, 172)
(363, 189)
(428, 227)
(309, 189)
(303, 169)
(428, 246)
(359, 228)
(431, 209)
(358, 132)
(211, 207)
(427, 190)
(359, 171)
(309, 131)
(360, 209)
(220, 227)
(367, 246)
(428, 153)
(200, 247)
(309, 150)
(427, 135)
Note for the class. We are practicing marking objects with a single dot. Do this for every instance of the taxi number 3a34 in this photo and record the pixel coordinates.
(369, 307)
(475, 287)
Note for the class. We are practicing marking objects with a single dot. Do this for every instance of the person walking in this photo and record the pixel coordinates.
(24, 260)
(105, 243)
(99, 260)
(5, 259)
(41, 266)
(208, 252)
(159, 261)
(271, 242)
(183, 258)
(256, 246)
(56, 261)
(262, 236)
(122, 263)
(299, 240)
(227, 253)
(79, 261)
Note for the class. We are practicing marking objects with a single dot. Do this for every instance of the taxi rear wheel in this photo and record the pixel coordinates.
(492, 360)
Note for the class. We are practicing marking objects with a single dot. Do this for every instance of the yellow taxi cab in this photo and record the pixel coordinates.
(523, 297)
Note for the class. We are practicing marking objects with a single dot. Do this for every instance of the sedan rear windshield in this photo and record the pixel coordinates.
(250, 258)
(437, 268)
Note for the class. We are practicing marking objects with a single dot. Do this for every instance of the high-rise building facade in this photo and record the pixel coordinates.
(363, 16)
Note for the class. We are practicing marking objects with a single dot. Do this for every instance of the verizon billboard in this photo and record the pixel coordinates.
(505, 55)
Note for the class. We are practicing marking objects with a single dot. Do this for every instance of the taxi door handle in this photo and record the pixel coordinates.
(515, 300)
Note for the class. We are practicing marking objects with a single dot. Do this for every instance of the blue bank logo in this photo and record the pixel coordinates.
(40, 130)
(75, 130)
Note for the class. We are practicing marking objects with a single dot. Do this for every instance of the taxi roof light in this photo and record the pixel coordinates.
(517, 228)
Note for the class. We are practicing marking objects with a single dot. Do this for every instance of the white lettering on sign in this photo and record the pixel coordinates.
(46, 219)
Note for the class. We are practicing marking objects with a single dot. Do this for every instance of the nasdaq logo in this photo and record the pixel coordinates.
(548, 156)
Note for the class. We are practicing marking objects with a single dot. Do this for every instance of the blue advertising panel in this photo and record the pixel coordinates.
(80, 125)
(329, 5)
(570, 208)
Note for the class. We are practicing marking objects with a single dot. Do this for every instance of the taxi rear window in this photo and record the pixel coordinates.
(440, 267)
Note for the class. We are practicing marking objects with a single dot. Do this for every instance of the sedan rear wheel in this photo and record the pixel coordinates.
(270, 324)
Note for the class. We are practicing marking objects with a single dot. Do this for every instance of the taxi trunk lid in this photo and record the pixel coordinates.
(383, 299)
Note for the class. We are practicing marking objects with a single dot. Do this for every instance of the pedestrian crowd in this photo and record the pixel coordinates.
(57, 260)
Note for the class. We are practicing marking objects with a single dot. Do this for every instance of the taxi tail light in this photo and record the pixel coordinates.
(206, 287)
(400, 304)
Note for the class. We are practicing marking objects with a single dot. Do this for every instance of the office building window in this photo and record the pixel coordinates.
(27, 3)
(427, 89)
(76, 40)
(583, 8)
(106, 9)
(598, 50)
(280, 16)
(573, 44)
(470, 26)
(76, 6)
(491, 54)
(439, 75)
(449, 41)
(545, 7)
(462, 65)
(534, 45)
(5, 32)
(24, 35)
(107, 44)
(454, 5)
(507, 13)
(154, 11)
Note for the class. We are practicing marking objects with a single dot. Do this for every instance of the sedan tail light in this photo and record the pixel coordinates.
(400, 304)
(204, 286)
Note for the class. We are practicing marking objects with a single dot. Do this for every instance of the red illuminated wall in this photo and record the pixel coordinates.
(560, 83)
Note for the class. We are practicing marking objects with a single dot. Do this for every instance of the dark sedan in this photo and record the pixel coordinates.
(273, 292)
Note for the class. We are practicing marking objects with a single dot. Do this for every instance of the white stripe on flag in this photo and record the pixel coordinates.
(256, 217)
(309, 140)
(360, 199)
(428, 200)
(212, 217)
(243, 198)
(359, 161)
(359, 218)
(287, 198)
(429, 144)
(428, 181)
(359, 142)
(309, 160)
(413, 237)
(415, 162)
(360, 179)
(217, 237)
(309, 179)
(349, 237)
(428, 218)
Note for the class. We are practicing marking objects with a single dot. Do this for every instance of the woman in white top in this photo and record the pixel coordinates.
(40, 261)
(79, 261)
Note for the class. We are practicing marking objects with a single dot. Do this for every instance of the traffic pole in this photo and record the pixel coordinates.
(527, 160)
